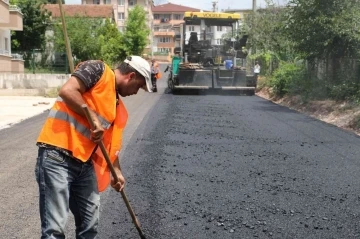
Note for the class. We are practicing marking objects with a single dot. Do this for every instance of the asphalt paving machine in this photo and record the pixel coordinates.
(200, 64)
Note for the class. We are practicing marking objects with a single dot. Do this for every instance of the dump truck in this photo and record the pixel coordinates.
(200, 64)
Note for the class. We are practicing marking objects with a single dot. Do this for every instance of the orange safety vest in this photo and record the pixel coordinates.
(66, 129)
(156, 66)
(113, 142)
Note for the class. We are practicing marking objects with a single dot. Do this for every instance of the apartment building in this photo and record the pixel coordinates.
(166, 26)
(11, 18)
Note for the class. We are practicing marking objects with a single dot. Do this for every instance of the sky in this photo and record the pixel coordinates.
(207, 4)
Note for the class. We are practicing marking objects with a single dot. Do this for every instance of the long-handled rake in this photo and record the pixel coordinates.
(113, 173)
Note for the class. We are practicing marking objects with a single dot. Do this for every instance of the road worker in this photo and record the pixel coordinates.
(155, 74)
(70, 168)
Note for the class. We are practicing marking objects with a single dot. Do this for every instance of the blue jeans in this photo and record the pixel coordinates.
(66, 183)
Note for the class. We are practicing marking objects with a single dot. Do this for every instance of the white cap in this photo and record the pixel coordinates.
(141, 66)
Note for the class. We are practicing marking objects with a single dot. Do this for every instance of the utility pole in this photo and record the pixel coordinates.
(254, 5)
(214, 4)
(67, 43)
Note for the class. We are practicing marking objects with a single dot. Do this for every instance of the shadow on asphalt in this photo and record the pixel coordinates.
(209, 92)
(272, 107)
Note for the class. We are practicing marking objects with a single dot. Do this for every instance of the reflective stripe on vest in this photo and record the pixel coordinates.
(56, 114)
(68, 130)
(104, 123)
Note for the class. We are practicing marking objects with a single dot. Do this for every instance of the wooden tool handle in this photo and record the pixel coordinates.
(113, 173)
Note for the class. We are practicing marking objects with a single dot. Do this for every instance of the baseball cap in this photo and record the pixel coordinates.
(141, 66)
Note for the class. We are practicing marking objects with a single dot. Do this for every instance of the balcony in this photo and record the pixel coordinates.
(165, 44)
(164, 33)
(162, 21)
(167, 21)
(15, 19)
(121, 8)
(17, 63)
(4, 11)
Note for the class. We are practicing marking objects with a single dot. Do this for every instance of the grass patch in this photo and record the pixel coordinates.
(53, 92)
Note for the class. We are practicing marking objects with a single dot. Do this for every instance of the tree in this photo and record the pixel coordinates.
(321, 28)
(82, 33)
(35, 22)
(267, 38)
(111, 49)
(135, 37)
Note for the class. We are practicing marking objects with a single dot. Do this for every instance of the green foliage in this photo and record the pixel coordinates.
(345, 91)
(82, 33)
(320, 32)
(53, 92)
(35, 22)
(111, 49)
(322, 28)
(95, 39)
(267, 60)
(135, 37)
(266, 32)
(287, 78)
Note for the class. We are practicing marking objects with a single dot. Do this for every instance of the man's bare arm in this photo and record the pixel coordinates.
(71, 93)
(121, 183)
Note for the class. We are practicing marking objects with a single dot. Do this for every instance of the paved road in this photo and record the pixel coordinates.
(208, 166)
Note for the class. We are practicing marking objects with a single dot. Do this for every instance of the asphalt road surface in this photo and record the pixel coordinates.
(207, 166)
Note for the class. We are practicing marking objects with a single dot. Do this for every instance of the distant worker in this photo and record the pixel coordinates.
(70, 168)
(155, 74)
(228, 64)
(256, 70)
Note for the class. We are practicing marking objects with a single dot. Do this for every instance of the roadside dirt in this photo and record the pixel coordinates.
(342, 114)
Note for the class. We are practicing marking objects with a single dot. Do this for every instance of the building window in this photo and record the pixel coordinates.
(218, 41)
(96, 1)
(163, 49)
(107, 1)
(164, 39)
(132, 2)
(177, 17)
(121, 2)
(219, 28)
(6, 44)
(156, 16)
(191, 28)
(121, 16)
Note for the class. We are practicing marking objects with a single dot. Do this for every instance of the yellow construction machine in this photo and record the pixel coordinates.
(203, 62)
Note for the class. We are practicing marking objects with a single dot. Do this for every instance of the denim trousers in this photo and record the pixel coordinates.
(66, 183)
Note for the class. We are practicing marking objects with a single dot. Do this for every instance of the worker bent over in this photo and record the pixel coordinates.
(70, 168)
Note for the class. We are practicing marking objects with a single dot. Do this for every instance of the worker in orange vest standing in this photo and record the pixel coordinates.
(70, 168)
(155, 74)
